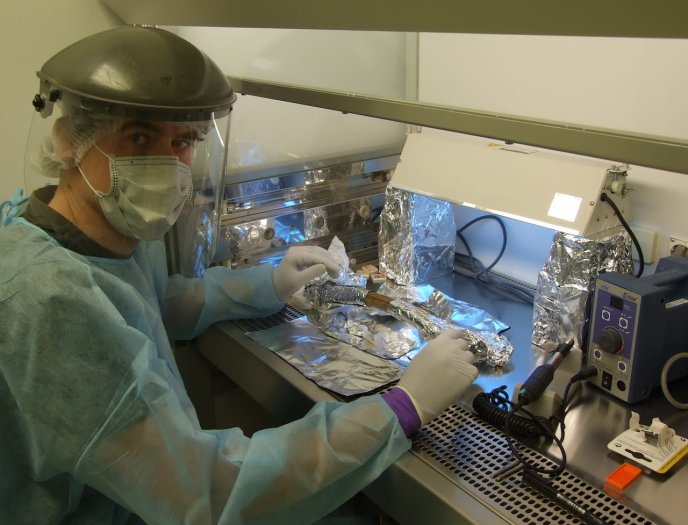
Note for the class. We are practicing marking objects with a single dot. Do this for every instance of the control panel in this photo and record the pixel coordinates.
(614, 331)
(637, 324)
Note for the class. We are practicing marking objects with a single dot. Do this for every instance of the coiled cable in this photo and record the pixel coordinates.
(493, 407)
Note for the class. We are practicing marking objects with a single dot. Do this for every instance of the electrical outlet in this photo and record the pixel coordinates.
(678, 247)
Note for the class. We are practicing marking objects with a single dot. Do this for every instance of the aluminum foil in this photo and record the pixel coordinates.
(382, 336)
(566, 280)
(375, 332)
(330, 363)
(488, 347)
(338, 217)
(417, 237)
(322, 293)
(352, 349)
(250, 237)
(445, 307)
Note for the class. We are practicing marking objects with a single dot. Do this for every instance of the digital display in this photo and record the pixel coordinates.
(616, 302)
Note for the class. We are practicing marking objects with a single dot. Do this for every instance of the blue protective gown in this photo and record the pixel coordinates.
(96, 427)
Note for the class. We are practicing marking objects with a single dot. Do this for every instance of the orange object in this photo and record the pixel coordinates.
(622, 477)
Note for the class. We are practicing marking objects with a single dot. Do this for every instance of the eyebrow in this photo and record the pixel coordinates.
(141, 124)
(192, 134)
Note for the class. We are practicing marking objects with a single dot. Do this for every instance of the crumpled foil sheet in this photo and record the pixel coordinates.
(382, 336)
(566, 280)
(393, 333)
(445, 307)
(417, 237)
(488, 347)
(330, 363)
(369, 349)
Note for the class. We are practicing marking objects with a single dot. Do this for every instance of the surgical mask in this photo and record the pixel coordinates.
(147, 194)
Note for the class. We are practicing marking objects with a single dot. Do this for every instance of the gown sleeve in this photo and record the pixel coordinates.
(101, 402)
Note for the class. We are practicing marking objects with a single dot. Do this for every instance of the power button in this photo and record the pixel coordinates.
(606, 380)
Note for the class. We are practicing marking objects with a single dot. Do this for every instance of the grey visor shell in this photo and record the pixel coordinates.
(135, 71)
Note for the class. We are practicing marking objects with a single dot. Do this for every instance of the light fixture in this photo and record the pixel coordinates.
(550, 189)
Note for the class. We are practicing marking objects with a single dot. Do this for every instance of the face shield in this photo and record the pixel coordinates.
(137, 119)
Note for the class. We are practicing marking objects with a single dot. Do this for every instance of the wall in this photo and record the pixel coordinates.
(33, 31)
(637, 85)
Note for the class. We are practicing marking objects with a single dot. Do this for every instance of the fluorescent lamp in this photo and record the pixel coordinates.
(558, 191)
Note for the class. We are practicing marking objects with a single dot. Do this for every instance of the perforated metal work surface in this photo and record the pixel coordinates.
(469, 451)
(286, 314)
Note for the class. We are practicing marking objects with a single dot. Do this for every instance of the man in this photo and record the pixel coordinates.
(97, 426)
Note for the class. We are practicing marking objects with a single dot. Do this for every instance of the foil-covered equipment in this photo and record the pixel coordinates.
(488, 347)
(566, 280)
(337, 217)
(445, 307)
(417, 237)
(270, 206)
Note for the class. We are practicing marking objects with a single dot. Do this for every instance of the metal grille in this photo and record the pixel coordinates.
(469, 451)
(286, 314)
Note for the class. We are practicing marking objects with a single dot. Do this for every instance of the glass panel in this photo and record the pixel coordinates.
(271, 137)
(626, 84)
(370, 62)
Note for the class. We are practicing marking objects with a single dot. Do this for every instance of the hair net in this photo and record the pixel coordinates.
(69, 139)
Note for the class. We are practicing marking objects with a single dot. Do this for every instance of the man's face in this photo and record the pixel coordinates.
(151, 138)
(136, 138)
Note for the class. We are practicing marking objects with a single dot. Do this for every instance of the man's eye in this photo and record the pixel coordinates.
(138, 138)
(181, 144)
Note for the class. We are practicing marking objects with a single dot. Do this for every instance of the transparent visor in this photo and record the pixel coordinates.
(149, 178)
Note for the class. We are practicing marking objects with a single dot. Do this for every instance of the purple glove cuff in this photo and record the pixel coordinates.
(402, 406)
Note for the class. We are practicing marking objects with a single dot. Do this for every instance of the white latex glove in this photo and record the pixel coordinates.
(439, 374)
(302, 264)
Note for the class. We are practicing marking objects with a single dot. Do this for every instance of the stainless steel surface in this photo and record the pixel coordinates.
(653, 151)
(536, 17)
(469, 452)
(425, 488)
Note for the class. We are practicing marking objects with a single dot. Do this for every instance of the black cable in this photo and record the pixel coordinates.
(567, 401)
(459, 234)
(499, 283)
(496, 408)
(475, 269)
(641, 260)
(493, 408)
(547, 431)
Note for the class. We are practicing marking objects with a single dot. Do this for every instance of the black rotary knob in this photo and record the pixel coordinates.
(611, 340)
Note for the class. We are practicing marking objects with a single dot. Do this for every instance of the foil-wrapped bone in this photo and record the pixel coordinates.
(491, 348)
(322, 292)
(488, 347)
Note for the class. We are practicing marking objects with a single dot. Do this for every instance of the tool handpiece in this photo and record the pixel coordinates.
(542, 376)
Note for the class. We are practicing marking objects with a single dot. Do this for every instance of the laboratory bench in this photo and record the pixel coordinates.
(447, 476)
